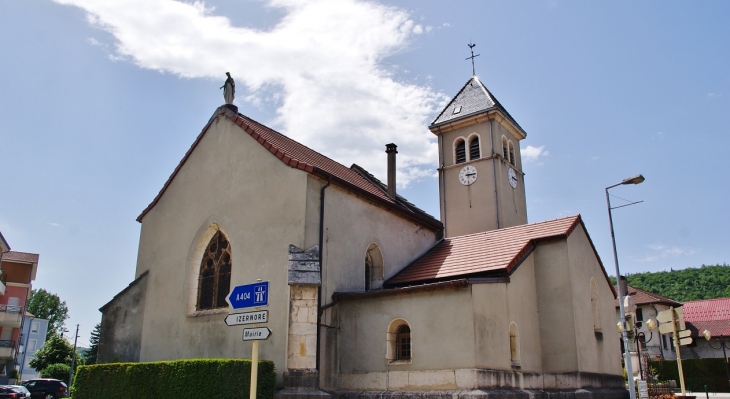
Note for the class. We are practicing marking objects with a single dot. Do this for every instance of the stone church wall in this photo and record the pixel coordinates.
(121, 324)
(232, 184)
(596, 349)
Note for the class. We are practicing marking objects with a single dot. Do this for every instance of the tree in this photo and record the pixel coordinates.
(44, 305)
(58, 371)
(55, 350)
(93, 345)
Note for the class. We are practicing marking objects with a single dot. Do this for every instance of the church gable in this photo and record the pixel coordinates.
(299, 156)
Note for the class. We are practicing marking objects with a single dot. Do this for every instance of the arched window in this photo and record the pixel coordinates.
(474, 148)
(514, 344)
(373, 268)
(399, 341)
(511, 153)
(403, 343)
(505, 150)
(214, 280)
(460, 151)
(594, 306)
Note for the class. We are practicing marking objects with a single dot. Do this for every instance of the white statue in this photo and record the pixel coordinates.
(229, 89)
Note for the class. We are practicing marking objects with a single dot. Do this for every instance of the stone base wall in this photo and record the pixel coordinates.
(472, 379)
(301, 353)
(487, 394)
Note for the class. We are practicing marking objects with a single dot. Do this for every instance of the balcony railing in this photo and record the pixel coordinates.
(11, 309)
(7, 349)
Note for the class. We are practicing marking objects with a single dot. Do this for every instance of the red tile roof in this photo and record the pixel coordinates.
(13, 256)
(487, 253)
(297, 155)
(708, 314)
(642, 297)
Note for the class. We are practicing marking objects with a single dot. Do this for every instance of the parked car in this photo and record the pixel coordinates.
(10, 392)
(47, 388)
(21, 388)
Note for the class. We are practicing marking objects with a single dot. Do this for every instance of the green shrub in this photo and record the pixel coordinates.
(58, 371)
(180, 379)
(695, 369)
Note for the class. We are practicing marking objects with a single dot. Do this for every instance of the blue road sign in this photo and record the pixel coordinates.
(249, 295)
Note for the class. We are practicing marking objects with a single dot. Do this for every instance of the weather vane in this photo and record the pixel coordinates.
(471, 47)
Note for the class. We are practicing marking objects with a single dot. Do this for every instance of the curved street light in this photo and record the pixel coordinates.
(723, 344)
(629, 370)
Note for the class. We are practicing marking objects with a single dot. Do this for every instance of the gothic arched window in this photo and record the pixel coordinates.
(373, 268)
(460, 151)
(595, 309)
(214, 280)
(514, 344)
(474, 148)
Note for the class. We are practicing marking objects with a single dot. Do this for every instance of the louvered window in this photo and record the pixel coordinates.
(511, 153)
(461, 152)
(214, 281)
(474, 148)
(505, 151)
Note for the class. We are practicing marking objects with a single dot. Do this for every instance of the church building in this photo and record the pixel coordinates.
(368, 294)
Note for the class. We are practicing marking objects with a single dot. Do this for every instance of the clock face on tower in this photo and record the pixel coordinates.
(468, 175)
(512, 177)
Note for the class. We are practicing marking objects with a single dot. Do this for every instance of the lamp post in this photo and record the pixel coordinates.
(641, 338)
(629, 370)
(724, 345)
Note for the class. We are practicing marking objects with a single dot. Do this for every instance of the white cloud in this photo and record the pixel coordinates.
(662, 251)
(714, 95)
(54, 224)
(321, 64)
(533, 153)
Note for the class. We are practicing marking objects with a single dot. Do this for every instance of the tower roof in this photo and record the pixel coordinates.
(473, 98)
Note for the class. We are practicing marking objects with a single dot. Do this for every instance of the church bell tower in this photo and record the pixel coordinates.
(481, 182)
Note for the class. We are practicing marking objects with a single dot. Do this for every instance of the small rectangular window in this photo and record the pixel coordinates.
(31, 345)
(639, 314)
(34, 327)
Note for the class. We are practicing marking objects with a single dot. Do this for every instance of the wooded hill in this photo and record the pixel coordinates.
(705, 282)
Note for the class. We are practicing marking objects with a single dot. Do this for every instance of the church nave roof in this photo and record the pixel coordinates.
(490, 253)
(297, 155)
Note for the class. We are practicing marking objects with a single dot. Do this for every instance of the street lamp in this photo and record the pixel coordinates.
(629, 370)
(723, 344)
(641, 338)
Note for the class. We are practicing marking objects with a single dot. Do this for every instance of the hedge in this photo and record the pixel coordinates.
(179, 379)
(713, 368)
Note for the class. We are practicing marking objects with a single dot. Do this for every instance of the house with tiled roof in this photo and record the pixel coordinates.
(643, 305)
(368, 295)
(18, 272)
(707, 318)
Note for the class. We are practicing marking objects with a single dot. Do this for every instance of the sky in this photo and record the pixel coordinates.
(99, 101)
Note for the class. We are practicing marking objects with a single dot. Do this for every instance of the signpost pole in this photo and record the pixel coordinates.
(676, 347)
(255, 367)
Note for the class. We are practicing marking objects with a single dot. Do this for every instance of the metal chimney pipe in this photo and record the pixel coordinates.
(624, 286)
(390, 149)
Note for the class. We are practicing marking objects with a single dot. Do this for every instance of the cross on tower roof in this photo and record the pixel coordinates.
(471, 47)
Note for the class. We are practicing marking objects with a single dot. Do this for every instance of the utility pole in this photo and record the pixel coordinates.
(73, 358)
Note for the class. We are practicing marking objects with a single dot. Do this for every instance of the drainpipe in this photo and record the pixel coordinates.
(494, 173)
(442, 190)
(25, 347)
(321, 266)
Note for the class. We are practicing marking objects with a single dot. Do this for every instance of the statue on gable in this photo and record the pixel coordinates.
(229, 89)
